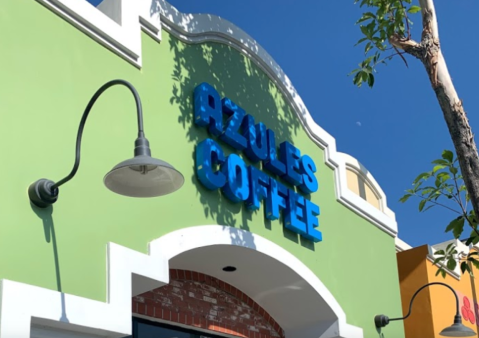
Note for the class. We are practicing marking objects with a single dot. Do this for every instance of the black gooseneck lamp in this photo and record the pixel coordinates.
(457, 329)
(140, 176)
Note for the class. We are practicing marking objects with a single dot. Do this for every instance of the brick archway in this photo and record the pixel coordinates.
(205, 302)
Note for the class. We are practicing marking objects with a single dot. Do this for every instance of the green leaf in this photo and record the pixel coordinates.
(444, 176)
(438, 260)
(371, 80)
(438, 167)
(457, 226)
(416, 186)
(364, 76)
(366, 63)
(404, 198)
(444, 162)
(473, 239)
(422, 176)
(360, 40)
(475, 263)
(465, 267)
(354, 71)
(451, 263)
(422, 204)
(414, 9)
(472, 215)
(357, 79)
(428, 207)
(362, 19)
(448, 155)
(364, 30)
(442, 272)
(368, 47)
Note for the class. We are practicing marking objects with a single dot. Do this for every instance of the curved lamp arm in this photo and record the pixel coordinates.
(382, 320)
(88, 108)
(44, 192)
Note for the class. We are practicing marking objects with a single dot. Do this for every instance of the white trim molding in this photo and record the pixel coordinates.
(462, 252)
(116, 24)
(24, 305)
(199, 28)
(401, 245)
(118, 28)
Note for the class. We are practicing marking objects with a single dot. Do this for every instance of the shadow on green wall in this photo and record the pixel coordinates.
(238, 78)
(49, 229)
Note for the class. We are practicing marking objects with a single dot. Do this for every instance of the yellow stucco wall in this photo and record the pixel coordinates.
(434, 307)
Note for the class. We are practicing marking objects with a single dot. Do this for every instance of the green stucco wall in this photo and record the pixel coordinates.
(49, 70)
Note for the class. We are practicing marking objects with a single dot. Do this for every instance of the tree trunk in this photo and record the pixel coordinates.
(429, 52)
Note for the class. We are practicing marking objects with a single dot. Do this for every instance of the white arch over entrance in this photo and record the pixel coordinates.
(131, 273)
(191, 239)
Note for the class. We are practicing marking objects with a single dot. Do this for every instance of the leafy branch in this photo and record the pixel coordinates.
(448, 188)
(387, 20)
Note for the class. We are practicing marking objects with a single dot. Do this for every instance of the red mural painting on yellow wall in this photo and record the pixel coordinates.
(469, 312)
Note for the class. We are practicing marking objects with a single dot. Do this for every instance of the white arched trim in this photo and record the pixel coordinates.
(119, 29)
(131, 273)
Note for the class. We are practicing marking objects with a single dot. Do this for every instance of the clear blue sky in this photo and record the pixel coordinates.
(396, 129)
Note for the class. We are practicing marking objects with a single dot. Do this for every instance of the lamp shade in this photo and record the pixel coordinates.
(143, 176)
(457, 330)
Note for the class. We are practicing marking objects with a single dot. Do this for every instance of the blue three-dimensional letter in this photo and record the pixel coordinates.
(208, 110)
(237, 185)
(208, 155)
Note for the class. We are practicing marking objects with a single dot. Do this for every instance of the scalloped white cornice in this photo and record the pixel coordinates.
(151, 15)
(198, 28)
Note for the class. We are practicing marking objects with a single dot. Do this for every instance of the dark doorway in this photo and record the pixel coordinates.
(148, 329)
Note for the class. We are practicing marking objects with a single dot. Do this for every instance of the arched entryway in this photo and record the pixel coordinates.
(272, 277)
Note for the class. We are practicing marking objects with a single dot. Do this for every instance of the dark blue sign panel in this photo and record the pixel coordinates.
(240, 182)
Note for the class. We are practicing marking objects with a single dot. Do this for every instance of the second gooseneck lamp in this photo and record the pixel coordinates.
(140, 176)
(457, 329)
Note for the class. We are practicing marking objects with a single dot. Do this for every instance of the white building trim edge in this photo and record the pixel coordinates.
(22, 305)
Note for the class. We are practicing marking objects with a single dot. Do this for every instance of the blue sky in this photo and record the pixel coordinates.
(396, 129)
